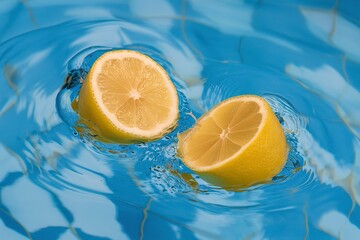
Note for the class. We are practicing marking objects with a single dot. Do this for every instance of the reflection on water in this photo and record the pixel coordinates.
(57, 182)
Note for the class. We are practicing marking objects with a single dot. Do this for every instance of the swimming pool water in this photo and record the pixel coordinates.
(57, 182)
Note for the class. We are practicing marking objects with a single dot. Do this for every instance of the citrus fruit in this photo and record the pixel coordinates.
(237, 143)
(128, 97)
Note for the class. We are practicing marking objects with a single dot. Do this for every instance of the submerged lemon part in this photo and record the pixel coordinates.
(128, 97)
(238, 143)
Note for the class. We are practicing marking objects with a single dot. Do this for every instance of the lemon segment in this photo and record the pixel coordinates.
(238, 143)
(128, 97)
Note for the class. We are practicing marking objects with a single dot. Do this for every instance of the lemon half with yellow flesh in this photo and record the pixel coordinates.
(128, 97)
(238, 143)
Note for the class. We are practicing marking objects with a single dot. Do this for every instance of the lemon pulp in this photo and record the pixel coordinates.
(128, 97)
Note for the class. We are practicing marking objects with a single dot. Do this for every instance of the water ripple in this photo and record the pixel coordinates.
(305, 68)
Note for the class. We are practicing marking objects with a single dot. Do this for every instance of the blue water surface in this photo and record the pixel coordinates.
(58, 182)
